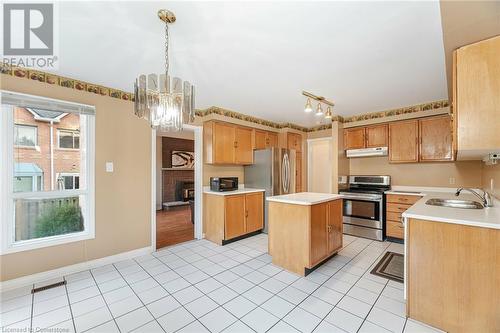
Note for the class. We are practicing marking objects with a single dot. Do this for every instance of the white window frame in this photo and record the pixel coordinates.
(68, 174)
(7, 196)
(34, 182)
(36, 136)
(58, 131)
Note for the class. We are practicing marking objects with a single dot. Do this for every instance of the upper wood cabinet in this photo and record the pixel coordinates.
(421, 140)
(265, 139)
(354, 138)
(294, 141)
(476, 99)
(403, 141)
(365, 137)
(226, 143)
(435, 139)
(376, 136)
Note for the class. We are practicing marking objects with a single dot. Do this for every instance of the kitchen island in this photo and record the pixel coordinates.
(452, 265)
(305, 229)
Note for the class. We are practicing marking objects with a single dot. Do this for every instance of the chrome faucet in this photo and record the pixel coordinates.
(485, 197)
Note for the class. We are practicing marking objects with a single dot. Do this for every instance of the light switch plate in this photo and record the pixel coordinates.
(109, 166)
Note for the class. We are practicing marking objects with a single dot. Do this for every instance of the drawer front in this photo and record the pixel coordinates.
(393, 216)
(397, 208)
(404, 199)
(395, 229)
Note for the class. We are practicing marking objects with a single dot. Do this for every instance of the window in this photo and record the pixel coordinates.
(70, 181)
(39, 205)
(25, 135)
(68, 139)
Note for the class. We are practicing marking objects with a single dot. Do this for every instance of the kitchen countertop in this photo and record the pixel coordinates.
(304, 198)
(487, 217)
(238, 191)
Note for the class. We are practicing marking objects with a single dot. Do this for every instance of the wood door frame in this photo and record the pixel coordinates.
(198, 183)
(309, 161)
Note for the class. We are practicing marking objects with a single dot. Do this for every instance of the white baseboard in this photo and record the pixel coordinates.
(71, 269)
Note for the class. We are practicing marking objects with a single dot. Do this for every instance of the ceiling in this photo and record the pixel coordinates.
(257, 57)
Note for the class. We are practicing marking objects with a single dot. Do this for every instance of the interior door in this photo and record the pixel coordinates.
(243, 145)
(234, 221)
(334, 225)
(318, 161)
(254, 212)
(224, 137)
(319, 230)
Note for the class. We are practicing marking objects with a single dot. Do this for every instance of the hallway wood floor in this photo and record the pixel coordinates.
(173, 226)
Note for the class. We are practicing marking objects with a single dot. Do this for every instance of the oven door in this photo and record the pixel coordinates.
(363, 212)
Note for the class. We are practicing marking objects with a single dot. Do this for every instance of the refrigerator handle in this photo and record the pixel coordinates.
(286, 173)
(283, 173)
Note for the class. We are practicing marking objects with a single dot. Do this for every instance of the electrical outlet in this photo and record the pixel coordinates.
(452, 180)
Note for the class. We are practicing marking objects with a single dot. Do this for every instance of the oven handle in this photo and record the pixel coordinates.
(361, 198)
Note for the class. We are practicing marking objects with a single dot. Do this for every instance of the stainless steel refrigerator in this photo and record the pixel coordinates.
(273, 170)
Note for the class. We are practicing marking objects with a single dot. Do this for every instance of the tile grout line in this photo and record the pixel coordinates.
(144, 305)
(69, 304)
(319, 286)
(105, 302)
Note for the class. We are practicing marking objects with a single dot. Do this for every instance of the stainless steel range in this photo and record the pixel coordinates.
(364, 203)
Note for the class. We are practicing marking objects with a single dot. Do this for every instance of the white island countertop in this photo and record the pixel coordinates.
(238, 191)
(304, 198)
(488, 217)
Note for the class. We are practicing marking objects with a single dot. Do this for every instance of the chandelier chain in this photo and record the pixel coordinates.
(166, 49)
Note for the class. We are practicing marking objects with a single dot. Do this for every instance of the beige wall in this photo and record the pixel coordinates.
(491, 173)
(122, 198)
(466, 173)
(222, 171)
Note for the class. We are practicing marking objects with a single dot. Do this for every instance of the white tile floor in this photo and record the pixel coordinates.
(201, 287)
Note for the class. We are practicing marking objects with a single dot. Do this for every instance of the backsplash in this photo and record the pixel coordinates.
(490, 172)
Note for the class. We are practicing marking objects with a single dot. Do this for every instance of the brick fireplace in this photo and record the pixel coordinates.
(175, 181)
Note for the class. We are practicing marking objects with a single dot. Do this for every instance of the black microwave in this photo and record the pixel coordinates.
(221, 184)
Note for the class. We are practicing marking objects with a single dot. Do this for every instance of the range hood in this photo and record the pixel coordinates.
(379, 151)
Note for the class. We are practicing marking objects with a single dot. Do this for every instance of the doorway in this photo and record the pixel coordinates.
(177, 187)
(319, 159)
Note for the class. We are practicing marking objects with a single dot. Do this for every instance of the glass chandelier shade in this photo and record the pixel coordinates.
(167, 104)
(308, 107)
(319, 110)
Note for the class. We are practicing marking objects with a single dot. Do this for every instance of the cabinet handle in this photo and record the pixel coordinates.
(235, 144)
(403, 199)
(246, 213)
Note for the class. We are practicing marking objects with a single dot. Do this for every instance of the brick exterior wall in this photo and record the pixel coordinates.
(171, 176)
(65, 160)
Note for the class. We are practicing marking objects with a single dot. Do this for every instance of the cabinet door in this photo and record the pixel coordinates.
(234, 220)
(403, 141)
(334, 226)
(243, 145)
(376, 136)
(260, 139)
(477, 96)
(435, 139)
(272, 139)
(254, 212)
(294, 141)
(354, 138)
(298, 172)
(319, 233)
(223, 143)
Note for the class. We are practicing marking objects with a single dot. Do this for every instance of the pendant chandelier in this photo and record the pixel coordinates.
(319, 108)
(166, 104)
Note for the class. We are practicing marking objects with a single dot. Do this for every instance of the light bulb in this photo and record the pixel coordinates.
(308, 107)
(319, 110)
(328, 114)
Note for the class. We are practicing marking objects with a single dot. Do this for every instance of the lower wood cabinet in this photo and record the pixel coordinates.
(397, 204)
(229, 216)
(303, 236)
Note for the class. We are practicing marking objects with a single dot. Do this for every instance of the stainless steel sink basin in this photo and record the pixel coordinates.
(466, 204)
